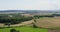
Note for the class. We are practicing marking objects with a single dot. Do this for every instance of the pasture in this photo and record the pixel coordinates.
(24, 29)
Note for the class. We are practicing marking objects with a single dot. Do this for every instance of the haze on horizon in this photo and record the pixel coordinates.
(29, 4)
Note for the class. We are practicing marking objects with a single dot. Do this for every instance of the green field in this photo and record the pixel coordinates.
(24, 29)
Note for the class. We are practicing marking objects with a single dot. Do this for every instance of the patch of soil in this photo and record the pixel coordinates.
(53, 30)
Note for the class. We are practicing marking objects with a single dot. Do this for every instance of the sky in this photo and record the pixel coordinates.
(29, 4)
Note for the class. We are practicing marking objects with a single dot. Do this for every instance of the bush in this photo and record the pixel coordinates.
(13, 30)
(34, 26)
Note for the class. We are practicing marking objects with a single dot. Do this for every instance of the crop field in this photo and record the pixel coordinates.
(48, 22)
(24, 29)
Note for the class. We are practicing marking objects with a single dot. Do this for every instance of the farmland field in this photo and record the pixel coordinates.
(24, 29)
(48, 22)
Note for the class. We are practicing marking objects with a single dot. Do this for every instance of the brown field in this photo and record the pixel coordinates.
(48, 22)
(53, 30)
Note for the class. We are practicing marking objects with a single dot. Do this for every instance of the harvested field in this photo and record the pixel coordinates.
(48, 22)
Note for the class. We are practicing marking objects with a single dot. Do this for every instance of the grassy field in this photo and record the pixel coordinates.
(24, 29)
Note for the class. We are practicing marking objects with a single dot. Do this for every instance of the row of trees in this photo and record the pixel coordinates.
(38, 16)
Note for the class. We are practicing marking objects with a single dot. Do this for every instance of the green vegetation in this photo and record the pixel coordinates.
(41, 16)
(13, 18)
(24, 29)
(14, 30)
(9, 19)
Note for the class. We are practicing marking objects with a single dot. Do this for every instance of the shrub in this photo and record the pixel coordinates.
(13, 30)
(34, 26)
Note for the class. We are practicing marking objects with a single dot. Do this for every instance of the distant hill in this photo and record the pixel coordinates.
(32, 11)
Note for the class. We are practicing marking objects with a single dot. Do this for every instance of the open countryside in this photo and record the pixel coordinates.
(27, 22)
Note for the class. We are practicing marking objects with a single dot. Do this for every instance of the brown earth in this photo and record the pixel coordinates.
(53, 30)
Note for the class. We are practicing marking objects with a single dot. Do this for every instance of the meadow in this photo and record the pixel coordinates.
(24, 29)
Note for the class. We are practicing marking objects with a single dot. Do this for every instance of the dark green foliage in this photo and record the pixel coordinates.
(13, 30)
(34, 20)
(34, 26)
(15, 19)
(38, 16)
(8, 24)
